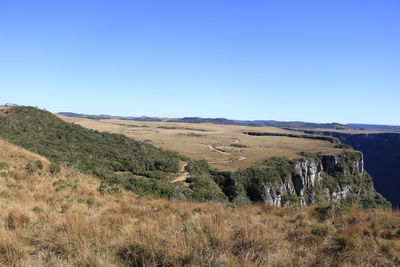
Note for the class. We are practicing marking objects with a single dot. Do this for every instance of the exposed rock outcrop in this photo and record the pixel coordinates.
(321, 178)
(382, 157)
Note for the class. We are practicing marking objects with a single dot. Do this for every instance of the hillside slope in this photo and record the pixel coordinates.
(308, 179)
(115, 158)
(62, 219)
(92, 151)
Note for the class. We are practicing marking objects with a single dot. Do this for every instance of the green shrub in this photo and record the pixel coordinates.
(34, 166)
(143, 186)
(320, 231)
(323, 212)
(241, 201)
(188, 227)
(140, 255)
(198, 168)
(54, 169)
(108, 188)
(310, 155)
(251, 181)
(62, 184)
(290, 199)
(388, 225)
(3, 165)
(204, 189)
(341, 244)
(343, 146)
(373, 201)
(351, 200)
(231, 185)
(239, 145)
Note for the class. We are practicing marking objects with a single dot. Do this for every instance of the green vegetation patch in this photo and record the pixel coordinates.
(198, 168)
(204, 189)
(54, 169)
(290, 200)
(91, 151)
(320, 230)
(250, 183)
(3, 165)
(239, 145)
(34, 166)
(343, 146)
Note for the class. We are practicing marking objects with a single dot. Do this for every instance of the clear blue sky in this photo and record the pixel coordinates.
(322, 61)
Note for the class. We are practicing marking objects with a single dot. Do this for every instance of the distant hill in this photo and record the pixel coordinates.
(105, 117)
(376, 127)
(221, 121)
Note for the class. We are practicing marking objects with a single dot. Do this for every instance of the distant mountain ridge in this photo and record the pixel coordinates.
(378, 127)
(222, 121)
(106, 117)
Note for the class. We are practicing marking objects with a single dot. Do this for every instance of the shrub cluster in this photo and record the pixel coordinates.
(239, 145)
(3, 166)
(249, 183)
(34, 166)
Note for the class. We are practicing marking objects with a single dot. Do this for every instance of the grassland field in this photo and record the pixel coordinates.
(224, 147)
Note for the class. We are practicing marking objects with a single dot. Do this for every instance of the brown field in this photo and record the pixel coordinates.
(212, 142)
(63, 220)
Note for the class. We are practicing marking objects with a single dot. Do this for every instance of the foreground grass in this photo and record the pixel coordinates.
(63, 220)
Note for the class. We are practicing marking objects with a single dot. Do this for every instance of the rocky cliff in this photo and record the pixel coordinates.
(311, 179)
(382, 158)
(323, 178)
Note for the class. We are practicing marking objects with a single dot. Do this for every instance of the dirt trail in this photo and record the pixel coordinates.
(235, 141)
(213, 148)
(184, 174)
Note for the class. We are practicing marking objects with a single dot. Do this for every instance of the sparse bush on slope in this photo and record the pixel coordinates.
(34, 166)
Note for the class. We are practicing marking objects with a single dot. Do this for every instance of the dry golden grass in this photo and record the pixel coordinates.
(45, 224)
(202, 141)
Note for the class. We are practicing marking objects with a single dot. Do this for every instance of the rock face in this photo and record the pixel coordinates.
(382, 157)
(313, 180)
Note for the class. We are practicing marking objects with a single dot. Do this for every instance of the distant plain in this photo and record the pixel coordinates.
(224, 147)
